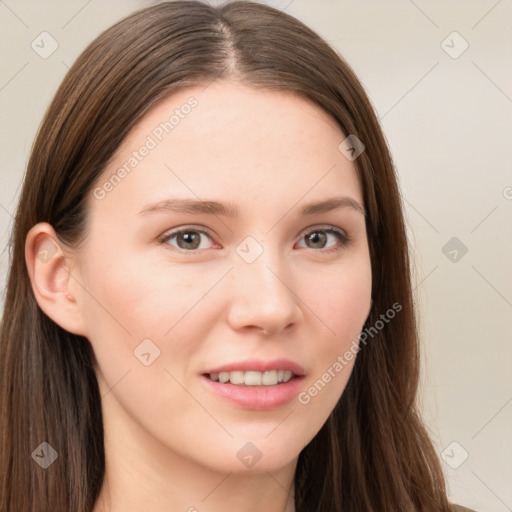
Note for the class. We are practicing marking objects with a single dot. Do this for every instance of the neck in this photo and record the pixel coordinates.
(132, 487)
(141, 474)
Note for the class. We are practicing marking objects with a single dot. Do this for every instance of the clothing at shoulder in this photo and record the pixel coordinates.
(460, 508)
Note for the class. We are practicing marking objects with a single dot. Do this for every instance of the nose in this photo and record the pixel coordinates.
(262, 296)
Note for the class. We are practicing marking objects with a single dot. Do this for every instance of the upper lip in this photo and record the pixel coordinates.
(259, 365)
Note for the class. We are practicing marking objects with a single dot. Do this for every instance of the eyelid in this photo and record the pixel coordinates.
(326, 227)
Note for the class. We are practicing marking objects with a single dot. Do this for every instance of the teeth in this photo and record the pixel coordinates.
(269, 378)
(251, 378)
(236, 377)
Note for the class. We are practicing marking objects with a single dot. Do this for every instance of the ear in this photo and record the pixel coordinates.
(51, 278)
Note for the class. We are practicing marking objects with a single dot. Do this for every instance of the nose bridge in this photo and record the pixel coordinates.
(262, 293)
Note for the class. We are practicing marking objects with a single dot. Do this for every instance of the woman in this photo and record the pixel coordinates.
(209, 305)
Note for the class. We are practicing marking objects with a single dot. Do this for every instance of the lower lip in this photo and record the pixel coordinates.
(257, 398)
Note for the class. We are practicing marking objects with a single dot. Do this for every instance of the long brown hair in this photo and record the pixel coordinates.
(373, 453)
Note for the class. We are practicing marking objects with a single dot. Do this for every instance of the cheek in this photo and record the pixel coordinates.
(144, 337)
(129, 293)
(128, 303)
(341, 300)
(134, 309)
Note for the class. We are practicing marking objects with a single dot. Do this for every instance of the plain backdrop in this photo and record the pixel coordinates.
(439, 75)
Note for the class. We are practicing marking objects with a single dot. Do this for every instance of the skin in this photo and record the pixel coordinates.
(171, 444)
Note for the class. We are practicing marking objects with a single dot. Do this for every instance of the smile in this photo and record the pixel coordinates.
(252, 378)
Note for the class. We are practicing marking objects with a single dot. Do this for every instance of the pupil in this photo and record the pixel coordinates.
(190, 239)
(318, 237)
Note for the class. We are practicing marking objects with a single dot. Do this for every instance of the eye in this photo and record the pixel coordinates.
(187, 240)
(319, 238)
(192, 239)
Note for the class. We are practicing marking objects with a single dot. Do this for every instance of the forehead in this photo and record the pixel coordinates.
(230, 141)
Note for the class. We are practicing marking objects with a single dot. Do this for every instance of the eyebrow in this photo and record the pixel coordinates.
(232, 210)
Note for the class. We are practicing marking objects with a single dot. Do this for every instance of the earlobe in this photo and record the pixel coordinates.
(51, 278)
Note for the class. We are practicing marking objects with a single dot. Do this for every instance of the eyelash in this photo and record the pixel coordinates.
(342, 236)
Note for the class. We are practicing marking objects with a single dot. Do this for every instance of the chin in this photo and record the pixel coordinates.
(257, 456)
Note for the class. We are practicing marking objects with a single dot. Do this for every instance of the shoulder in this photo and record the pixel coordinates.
(460, 508)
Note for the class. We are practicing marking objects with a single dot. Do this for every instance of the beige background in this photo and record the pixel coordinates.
(449, 125)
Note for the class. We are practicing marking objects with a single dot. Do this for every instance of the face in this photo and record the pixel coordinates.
(207, 261)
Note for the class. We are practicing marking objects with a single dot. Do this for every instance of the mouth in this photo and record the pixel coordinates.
(256, 385)
(252, 378)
